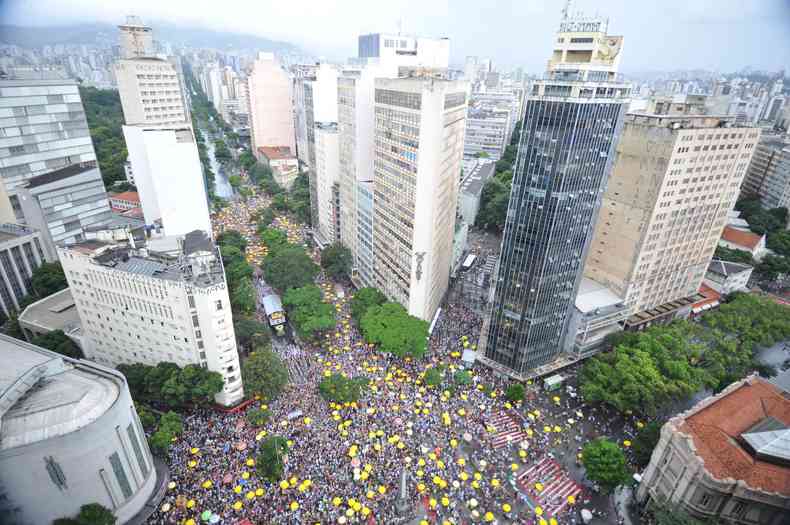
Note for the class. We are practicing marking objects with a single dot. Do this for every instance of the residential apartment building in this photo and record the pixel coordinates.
(405, 50)
(676, 177)
(150, 91)
(768, 154)
(21, 252)
(71, 437)
(419, 132)
(42, 129)
(726, 460)
(571, 123)
(167, 301)
(271, 105)
(169, 177)
(283, 162)
(490, 122)
(137, 39)
(63, 204)
(327, 173)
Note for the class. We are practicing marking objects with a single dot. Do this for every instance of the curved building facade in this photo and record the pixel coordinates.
(69, 436)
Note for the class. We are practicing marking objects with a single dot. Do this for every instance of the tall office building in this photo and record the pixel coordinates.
(271, 105)
(676, 175)
(419, 141)
(42, 129)
(570, 128)
(768, 176)
(161, 143)
(137, 39)
(327, 168)
(21, 252)
(167, 301)
(405, 50)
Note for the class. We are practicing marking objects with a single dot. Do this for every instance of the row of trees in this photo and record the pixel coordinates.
(169, 385)
(238, 272)
(104, 114)
(496, 192)
(308, 313)
(648, 370)
(90, 514)
(296, 201)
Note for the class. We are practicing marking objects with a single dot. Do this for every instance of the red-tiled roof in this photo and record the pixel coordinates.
(276, 152)
(131, 196)
(716, 428)
(711, 296)
(741, 238)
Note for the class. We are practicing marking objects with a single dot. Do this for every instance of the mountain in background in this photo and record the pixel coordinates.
(32, 37)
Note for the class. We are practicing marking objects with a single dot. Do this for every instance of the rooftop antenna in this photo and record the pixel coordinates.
(400, 26)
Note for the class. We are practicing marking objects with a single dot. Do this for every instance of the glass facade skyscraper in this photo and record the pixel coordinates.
(569, 131)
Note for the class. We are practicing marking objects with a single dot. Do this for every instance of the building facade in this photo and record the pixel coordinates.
(150, 91)
(63, 204)
(727, 459)
(169, 178)
(70, 436)
(567, 141)
(21, 252)
(674, 181)
(419, 132)
(42, 129)
(327, 168)
(271, 105)
(165, 302)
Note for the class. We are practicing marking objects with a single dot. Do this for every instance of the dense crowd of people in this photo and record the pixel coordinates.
(345, 461)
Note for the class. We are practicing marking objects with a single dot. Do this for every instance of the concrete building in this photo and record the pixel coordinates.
(150, 91)
(746, 241)
(419, 131)
(167, 301)
(64, 203)
(598, 313)
(675, 179)
(571, 124)
(472, 189)
(137, 39)
(327, 176)
(70, 436)
(54, 312)
(282, 161)
(42, 129)
(271, 105)
(727, 459)
(490, 122)
(169, 177)
(126, 200)
(21, 252)
(726, 277)
(766, 160)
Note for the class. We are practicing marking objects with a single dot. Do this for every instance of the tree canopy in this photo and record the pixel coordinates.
(515, 392)
(605, 464)
(48, 279)
(59, 342)
(104, 114)
(336, 260)
(264, 373)
(308, 313)
(168, 384)
(269, 464)
(395, 331)
(341, 389)
(170, 426)
(250, 332)
(289, 267)
(363, 299)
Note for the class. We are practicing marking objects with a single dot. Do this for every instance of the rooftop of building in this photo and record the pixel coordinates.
(474, 182)
(60, 174)
(724, 429)
(594, 296)
(276, 152)
(131, 196)
(44, 395)
(54, 312)
(709, 298)
(9, 231)
(741, 238)
(727, 268)
(37, 82)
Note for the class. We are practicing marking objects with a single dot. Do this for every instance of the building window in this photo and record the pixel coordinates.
(137, 451)
(704, 500)
(219, 305)
(55, 473)
(120, 475)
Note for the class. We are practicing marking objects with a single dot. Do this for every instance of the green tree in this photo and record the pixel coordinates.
(95, 514)
(274, 238)
(336, 260)
(341, 389)
(264, 373)
(58, 342)
(779, 242)
(363, 299)
(673, 516)
(172, 423)
(395, 331)
(242, 298)
(232, 238)
(269, 464)
(247, 160)
(12, 327)
(299, 198)
(645, 441)
(147, 417)
(160, 442)
(482, 155)
(258, 417)
(515, 392)
(772, 266)
(104, 114)
(234, 181)
(463, 377)
(605, 464)
(48, 279)
(433, 376)
(733, 255)
(289, 267)
(308, 313)
(250, 332)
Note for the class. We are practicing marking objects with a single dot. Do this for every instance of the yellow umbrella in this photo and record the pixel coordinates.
(489, 516)
(294, 505)
(250, 462)
(250, 495)
(382, 489)
(445, 501)
(190, 521)
(259, 492)
(336, 501)
(571, 499)
(207, 484)
(552, 521)
(194, 450)
(539, 487)
(245, 475)
(495, 483)
(539, 511)
(283, 484)
(506, 507)
(626, 443)
(432, 502)
(190, 503)
(237, 489)
(192, 463)
(237, 505)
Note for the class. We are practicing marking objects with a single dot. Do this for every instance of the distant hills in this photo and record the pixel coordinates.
(31, 37)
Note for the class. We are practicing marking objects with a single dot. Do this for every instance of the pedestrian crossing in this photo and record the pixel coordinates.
(556, 486)
(507, 430)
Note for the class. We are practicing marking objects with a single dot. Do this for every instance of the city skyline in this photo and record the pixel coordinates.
(753, 29)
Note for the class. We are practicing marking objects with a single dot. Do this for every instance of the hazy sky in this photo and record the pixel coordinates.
(659, 34)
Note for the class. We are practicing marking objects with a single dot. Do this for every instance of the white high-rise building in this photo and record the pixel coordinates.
(150, 92)
(419, 142)
(137, 39)
(408, 51)
(169, 178)
(327, 167)
(166, 302)
(271, 105)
